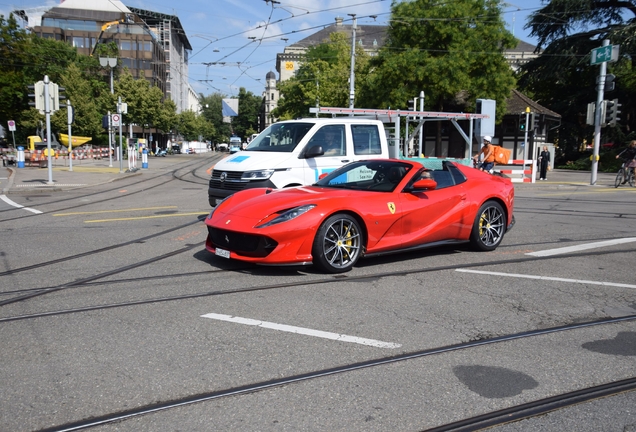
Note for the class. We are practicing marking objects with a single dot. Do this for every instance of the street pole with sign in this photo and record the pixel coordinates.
(116, 122)
(47, 113)
(11, 124)
(120, 121)
(601, 55)
(69, 111)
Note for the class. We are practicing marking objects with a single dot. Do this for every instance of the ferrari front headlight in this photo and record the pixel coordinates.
(288, 215)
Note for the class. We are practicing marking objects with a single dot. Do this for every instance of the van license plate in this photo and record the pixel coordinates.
(222, 253)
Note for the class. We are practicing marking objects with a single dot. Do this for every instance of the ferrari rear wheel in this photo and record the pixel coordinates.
(489, 227)
(338, 244)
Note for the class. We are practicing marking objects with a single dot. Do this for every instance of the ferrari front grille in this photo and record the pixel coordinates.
(243, 244)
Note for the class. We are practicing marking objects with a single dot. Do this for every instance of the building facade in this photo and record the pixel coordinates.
(151, 45)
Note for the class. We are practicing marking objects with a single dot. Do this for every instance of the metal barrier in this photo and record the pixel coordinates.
(519, 171)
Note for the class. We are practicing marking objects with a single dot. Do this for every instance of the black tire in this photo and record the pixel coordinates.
(338, 244)
(619, 178)
(631, 179)
(489, 227)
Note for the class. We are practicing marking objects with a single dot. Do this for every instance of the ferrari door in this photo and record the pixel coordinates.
(433, 215)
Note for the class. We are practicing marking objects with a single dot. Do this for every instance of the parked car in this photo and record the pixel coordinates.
(222, 147)
(365, 208)
(176, 149)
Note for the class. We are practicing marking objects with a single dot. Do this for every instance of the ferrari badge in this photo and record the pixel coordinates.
(391, 207)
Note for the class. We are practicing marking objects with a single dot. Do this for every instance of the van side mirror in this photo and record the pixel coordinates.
(314, 151)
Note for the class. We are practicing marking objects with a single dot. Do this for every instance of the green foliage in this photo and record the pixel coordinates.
(213, 114)
(247, 119)
(323, 78)
(451, 50)
(562, 78)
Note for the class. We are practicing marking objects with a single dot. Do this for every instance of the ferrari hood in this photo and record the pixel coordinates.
(258, 203)
(251, 160)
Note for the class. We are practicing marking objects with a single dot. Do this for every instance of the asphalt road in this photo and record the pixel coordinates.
(109, 304)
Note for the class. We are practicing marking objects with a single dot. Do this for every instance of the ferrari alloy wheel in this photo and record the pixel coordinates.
(489, 226)
(338, 244)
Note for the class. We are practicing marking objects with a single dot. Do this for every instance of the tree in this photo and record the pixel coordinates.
(88, 118)
(562, 78)
(213, 114)
(167, 119)
(246, 123)
(322, 78)
(188, 125)
(451, 50)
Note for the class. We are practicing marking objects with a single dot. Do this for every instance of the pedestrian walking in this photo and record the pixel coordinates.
(544, 163)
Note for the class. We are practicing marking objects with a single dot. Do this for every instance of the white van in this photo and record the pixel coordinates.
(296, 152)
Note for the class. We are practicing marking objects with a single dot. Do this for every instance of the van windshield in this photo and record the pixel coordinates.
(280, 137)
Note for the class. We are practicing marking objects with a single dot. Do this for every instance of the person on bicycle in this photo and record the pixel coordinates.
(489, 155)
(629, 159)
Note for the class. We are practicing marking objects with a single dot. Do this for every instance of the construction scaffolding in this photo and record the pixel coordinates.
(394, 116)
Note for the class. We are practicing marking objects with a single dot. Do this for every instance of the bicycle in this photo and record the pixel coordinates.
(620, 176)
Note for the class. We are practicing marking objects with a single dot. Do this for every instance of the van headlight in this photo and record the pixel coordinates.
(257, 175)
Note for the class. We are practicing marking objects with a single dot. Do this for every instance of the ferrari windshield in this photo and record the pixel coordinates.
(280, 137)
(381, 176)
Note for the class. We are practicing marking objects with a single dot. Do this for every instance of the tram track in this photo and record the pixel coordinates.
(262, 288)
(101, 192)
(470, 424)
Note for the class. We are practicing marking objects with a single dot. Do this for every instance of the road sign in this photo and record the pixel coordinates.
(115, 119)
(11, 126)
(608, 53)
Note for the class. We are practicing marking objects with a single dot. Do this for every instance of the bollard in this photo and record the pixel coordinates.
(144, 158)
(20, 157)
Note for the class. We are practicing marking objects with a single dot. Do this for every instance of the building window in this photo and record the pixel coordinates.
(79, 42)
(125, 45)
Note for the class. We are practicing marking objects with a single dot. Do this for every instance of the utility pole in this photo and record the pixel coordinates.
(352, 90)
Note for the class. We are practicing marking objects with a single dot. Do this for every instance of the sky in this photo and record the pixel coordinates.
(235, 42)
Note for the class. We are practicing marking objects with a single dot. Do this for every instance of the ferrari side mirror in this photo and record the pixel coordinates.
(429, 184)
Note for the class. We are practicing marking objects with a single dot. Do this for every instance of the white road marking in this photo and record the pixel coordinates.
(303, 331)
(522, 276)
(581, 247)
(14, 204)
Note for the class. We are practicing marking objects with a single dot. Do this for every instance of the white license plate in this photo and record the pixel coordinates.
(218, 200)
(222, 253)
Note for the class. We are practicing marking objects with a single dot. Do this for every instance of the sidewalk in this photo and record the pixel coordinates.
(558, 177)
(87, 172)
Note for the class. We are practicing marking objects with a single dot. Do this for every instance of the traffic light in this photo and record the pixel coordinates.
(37, 96)
(522, 122)
(612, 112)
(411, 105)
(532, 124)
(609, 82)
